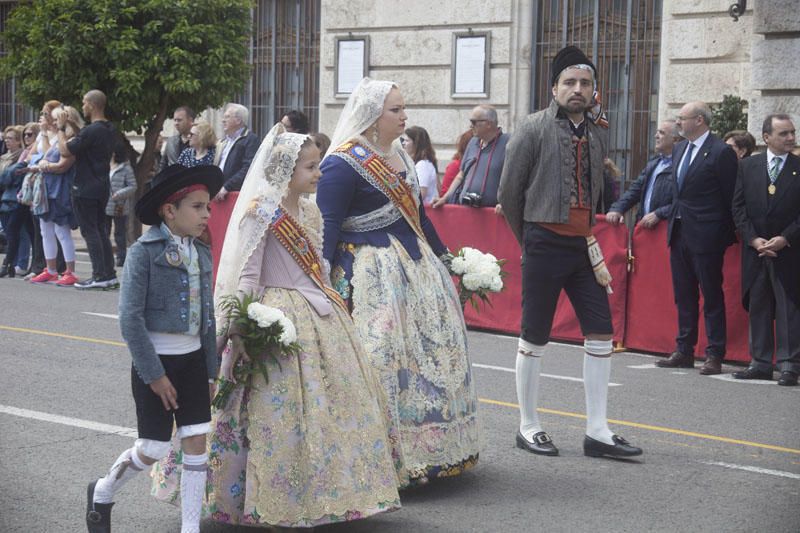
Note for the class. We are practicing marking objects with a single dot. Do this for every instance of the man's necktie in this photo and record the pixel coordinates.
(774, 170)
(685, 166)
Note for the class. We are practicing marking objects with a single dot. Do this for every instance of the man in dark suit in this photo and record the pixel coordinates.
(652, 190)
(766, 208)
(700, 229)
(237, 149)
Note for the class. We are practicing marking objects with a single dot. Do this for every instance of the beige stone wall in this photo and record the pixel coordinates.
(705, 55)
(775, 54)
(411, 43)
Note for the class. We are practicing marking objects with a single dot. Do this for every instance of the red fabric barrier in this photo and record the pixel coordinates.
(218, 225)
(460, 226)
(642, 306)
(652, 319)
(480, 228)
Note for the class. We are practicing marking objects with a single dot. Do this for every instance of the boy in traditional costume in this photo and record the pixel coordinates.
(166, 315)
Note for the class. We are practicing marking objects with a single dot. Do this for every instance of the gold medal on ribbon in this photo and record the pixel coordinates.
(771, 188)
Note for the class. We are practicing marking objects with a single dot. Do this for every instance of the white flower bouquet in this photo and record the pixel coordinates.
(478, 274)
(265, 332)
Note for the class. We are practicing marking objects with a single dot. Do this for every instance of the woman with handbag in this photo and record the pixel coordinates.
(52, 204)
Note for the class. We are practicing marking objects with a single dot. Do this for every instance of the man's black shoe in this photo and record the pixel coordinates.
(753, 373)
(541, 444)
(620, 448)
(677, 360)
(98, 515)
(787, 379)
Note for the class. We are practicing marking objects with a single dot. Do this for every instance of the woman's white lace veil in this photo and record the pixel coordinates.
(363, 108)
(265, 185)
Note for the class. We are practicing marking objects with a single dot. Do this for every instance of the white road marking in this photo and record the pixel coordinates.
(103, 315)
(69, 421)
(643, 367)
(754, 469)
(552, 376)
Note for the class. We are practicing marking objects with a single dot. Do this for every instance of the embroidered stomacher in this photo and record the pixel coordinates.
(294, 239)
(380, 175)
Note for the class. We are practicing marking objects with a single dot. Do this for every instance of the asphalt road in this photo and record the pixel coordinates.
(719, 455)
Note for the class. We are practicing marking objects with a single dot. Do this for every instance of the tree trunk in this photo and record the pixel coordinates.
(145, 167)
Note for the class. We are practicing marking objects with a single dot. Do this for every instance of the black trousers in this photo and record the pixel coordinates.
(691, 273)
(774, 323)
(120, 234)
(91, 215)
(550, 263)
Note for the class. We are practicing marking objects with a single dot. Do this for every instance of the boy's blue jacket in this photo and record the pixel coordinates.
(155, 297)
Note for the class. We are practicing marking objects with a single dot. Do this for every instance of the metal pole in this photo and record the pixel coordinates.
(272, 61)
(626, 92)
(534, 55)
(595, 31)
(564, 22)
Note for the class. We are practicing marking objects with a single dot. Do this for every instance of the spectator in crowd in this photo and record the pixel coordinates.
(417, 144)
(58, 220)
(742, 142)
(549, 189)
(652, 190)
(236, 151)
(700, 229)
(202, 146)
(123, 189)
(477, 181)
(47, 131)
(13, 215)
(157, 156)
(12, 138)
(611, 176)
(295, 122)
(29, 135)
(183, 118)
(454, 166)
(766, 207)
(322, 141)
(92, 148)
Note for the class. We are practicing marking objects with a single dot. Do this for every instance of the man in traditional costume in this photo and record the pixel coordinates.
(552, 177)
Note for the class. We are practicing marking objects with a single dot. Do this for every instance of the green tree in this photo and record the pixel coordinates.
(148, 56)
(729, 115)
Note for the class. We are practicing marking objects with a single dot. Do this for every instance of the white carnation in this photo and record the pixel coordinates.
(496, 285)
(472, 282)
(458, 265)
(289, 334)
(263, 315)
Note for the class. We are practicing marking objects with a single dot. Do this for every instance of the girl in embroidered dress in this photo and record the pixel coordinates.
(383, 253)
(309, 447)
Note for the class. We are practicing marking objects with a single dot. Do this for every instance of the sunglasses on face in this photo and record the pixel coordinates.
(28, 134)
(476, 121)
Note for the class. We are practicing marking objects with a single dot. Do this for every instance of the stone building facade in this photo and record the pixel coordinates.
(706, 54)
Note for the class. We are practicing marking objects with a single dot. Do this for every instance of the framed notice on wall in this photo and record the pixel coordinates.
(470, 68)
(351, 63)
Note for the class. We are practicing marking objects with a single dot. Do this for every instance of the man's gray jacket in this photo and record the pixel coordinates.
(539, 169)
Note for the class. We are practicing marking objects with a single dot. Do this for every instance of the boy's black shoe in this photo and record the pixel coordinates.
(98, 515)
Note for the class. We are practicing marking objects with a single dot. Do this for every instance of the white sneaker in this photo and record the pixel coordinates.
(20, 271)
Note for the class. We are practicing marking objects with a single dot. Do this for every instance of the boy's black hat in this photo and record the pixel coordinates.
(569, 56)
(171, 180)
